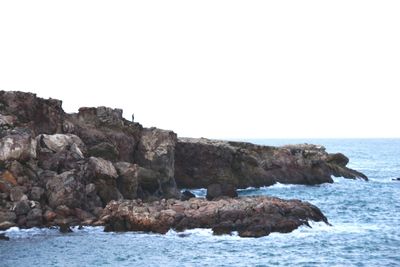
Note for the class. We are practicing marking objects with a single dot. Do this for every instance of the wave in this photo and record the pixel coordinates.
(17, 233)
(320, 228)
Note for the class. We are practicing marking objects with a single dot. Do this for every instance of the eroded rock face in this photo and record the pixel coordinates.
(65, 189)
(104, 176)
(57, 168)
(127, 180)
(40, 115)
(156, 151)
(63, 169)
(105, 133)
(202, 162)
(250, 216)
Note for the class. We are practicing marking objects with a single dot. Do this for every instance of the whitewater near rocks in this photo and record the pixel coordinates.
(60, 169)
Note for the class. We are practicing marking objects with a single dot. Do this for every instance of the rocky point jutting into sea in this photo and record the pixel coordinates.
(96, 168)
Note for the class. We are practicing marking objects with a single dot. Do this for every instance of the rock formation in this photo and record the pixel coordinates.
(200, 163)
(58, 168)
(249, 216)
(63, 169)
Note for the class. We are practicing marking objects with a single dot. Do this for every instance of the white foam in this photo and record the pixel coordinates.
(318, 228)
(192, 232)
(16, 233)
(202, 233)
(200, 192)
(279, 185)
(247, 189)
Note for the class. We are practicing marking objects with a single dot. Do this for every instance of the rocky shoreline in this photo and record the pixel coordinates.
(249, 216)
(59, 169)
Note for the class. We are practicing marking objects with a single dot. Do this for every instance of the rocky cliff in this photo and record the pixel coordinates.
(58, 168)
(203, 162)
(64, 168)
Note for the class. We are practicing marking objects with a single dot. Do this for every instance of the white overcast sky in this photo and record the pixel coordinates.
(218, 69)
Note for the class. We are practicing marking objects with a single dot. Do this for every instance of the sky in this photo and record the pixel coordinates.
(217, 69)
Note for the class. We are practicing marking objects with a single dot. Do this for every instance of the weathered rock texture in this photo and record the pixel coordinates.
(202, 162)
(250, 216)
(61, 169)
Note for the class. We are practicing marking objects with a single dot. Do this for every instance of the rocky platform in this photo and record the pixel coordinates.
(224, 165)
(63, 169)
(249, 216)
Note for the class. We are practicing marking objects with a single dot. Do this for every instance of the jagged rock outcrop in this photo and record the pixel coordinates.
(62, 169)
(58, 168)
(42, 116)
(202, 162)
(250, 216)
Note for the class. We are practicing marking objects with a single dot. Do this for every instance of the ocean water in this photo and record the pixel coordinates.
(365, 231)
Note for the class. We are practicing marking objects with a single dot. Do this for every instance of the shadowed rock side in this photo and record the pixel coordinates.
(63, 169)
(250, 216)
(203, 162)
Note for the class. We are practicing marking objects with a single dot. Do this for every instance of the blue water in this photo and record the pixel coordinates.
(365, 232)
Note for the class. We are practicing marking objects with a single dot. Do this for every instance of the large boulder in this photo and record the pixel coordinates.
(66, 189)
(18, 145)
(104, 175)
(60, 142)
(7, 182)
(60, 152)
(156, 151)
(7, 122)
(220, 190)
(127, 180)
(135, 181)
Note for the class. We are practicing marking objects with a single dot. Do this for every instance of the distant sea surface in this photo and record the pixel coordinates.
(365, 232)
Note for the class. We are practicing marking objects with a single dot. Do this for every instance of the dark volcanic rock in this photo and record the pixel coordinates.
(250, 216)
(219, 190)
(104, 176)
(65, 189)
(128, 179)
(65, 228)
(186, 195)
(202, 162)
(40, 115)
(4, 237)
(105, 133)
(58, 168)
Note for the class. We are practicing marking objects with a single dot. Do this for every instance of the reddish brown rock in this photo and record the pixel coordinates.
(72, 165)
(250, 216)
(49, 216)
(9, 177)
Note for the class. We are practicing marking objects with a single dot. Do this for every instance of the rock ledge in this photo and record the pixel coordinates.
(249, 216)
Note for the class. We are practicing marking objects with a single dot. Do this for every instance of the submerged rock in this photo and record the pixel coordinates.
(4, 237)
(250, 216)
(65, 228)
(186, 195)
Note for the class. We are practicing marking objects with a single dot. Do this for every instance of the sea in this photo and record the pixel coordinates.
(365, 230)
